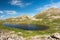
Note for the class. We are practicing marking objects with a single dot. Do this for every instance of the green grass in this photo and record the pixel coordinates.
(52, 28)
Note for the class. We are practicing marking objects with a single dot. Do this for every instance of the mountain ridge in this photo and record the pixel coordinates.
(51, 13)
(48, 13)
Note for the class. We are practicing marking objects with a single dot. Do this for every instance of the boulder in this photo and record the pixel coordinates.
(56, 35)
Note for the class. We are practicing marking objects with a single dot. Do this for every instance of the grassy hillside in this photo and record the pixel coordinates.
(49, 18)
(49, 13)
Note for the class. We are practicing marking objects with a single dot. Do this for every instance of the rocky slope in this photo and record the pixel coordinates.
(11, 35)
(49, 13)
(21, 18)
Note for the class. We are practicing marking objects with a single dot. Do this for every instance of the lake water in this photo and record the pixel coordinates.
(27, 27)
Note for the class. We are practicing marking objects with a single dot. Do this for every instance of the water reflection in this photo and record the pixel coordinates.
(27, 27)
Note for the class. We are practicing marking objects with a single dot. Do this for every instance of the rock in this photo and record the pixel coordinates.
(10, 39)
(44, 37)
(13, 36)
(36, 38)
(12, 32)
(10, 36)
(56, 35)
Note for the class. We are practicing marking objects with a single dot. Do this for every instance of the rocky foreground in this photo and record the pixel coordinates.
(6, 35)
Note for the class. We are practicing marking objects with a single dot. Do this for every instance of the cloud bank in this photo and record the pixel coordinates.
(19, 3)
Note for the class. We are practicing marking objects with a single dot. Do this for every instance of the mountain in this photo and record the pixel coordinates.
(25, 17)
(49, 13)
(21, 19)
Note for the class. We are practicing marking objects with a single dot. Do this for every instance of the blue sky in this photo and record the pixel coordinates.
(14, 8)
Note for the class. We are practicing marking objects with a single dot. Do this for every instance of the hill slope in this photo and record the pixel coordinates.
(49, 13)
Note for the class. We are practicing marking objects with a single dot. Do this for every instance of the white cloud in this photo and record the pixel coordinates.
(47, 6)
(10, 12)
(7, 12)
(2, 17)
(19, 3)
(1, 12)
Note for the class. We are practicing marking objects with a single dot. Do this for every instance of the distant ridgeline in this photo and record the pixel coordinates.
(49, 14)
